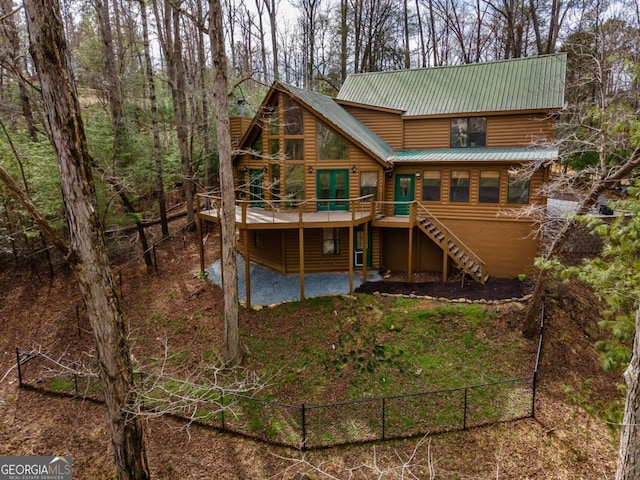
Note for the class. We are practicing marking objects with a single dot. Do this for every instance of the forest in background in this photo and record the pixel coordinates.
(144, 75)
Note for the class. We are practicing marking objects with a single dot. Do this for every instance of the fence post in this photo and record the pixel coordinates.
(155, 258)
(384, 406)
(19, 367)
(75, 382)
(464, 421)
(222, 410)
(304, 428)
(533, 394)
(78, 319)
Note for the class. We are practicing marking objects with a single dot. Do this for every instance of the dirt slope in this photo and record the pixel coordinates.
(563, 442)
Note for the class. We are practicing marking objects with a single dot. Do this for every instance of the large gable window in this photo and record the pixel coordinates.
(294, 182)
(293, 148)
(292, 117)
(468, 132)
(459, 186)
(331, 146)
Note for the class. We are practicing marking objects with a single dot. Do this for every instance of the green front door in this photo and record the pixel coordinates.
(256, 193)
(404, 193)
(333, 189)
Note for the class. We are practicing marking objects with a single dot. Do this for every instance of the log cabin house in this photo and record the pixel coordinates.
(414, 170)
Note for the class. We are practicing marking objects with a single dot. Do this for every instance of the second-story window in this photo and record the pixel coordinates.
(459, 186)
(468, 132)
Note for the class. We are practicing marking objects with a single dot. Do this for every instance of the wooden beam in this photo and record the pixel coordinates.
(247, 269)
(301, 253)
(410, 259)
(445, 258)
(365, 250)
(352, 259)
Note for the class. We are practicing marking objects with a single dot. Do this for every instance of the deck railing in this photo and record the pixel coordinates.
(294, 209)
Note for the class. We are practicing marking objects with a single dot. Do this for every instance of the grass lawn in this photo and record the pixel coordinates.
(344, 348)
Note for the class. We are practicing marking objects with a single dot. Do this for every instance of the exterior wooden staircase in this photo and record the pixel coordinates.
(464, 258)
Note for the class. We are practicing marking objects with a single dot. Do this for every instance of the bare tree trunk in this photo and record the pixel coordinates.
(272, 10)
(87, 256)
(112, 80)
(407, 48)
(170, 39)
(233, 349)
(344, 39)
(157, 148)
(629, 450)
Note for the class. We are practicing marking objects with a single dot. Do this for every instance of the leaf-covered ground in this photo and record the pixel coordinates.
(173, 307)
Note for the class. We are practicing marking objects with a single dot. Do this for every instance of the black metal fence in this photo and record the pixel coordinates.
(311, 426)
(304, 426)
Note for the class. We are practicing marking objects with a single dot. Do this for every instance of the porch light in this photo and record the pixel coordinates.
(310, 169)
(353, 169)
(245, 169)
(418, 175)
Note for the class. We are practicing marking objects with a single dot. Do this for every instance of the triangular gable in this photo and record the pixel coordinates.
(333, 115)
(522, 84)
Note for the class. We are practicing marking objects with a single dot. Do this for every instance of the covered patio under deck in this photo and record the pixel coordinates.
(300, 215)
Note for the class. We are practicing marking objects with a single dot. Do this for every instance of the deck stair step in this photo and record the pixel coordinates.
(462, 256)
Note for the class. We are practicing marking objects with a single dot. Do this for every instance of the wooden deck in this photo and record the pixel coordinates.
(260, 218)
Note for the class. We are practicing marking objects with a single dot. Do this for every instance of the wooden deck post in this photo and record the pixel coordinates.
(351, 259)
(445, 257)
(247, 269)
(412, 217)
(365, 248)
(410, 255)
(301, 250)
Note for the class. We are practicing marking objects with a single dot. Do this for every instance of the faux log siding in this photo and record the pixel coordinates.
(388, 126)
(238, 126)
(314, 259)
(426, 133)
(270, 255)
(518, 130)
(514, 254)
(508, 248)
(502, 131)
(445, 208)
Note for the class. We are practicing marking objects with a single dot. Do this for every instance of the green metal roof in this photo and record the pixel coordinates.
(510, 154)
(338, 118)
(529, 83)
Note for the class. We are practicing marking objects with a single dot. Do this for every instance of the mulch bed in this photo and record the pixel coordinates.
(493, 289)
